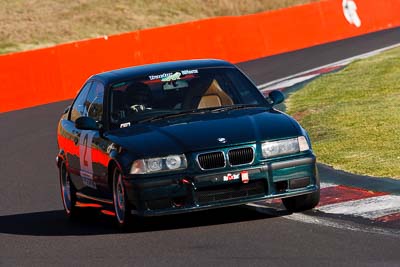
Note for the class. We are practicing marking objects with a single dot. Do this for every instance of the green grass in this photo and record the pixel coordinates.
(27, 24)
(353, 116)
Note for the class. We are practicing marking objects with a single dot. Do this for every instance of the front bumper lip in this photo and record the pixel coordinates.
(145, 189)
(171, 211)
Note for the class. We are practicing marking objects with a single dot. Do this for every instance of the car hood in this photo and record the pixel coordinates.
(198, 132)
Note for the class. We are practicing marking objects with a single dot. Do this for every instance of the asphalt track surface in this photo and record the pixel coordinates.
(35, 232)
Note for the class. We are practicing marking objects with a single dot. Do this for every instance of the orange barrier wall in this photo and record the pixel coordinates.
(52, 74)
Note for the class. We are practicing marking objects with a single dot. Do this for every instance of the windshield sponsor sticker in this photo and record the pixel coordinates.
(169, 76)
(173, 77)
(159, 76)
(186, 72)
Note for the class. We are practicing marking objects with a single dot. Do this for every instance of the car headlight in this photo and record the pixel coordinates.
(284, 147)
(168, 163)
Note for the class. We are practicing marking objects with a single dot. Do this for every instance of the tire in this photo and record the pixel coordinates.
(302, 202)
(68, 192)
(120, 201)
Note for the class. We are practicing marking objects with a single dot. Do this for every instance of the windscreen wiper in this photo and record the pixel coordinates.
(197, 111)
(169, 115)
(233, 107)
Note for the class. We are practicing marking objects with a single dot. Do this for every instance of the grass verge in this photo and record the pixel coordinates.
(353, 116)
(27, 24)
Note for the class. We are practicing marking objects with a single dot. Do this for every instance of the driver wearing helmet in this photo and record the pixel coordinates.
(139, 97)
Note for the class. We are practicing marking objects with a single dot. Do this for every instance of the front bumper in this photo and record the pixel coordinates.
(182, 193)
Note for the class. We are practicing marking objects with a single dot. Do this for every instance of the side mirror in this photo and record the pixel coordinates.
(86, 123)
(276, 97)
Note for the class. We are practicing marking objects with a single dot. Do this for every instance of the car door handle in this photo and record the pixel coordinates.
(76, 140)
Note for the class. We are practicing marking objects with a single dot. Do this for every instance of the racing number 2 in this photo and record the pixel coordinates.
(85, 153)
(85, 141)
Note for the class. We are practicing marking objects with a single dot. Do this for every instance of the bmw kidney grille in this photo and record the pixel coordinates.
(219, 159)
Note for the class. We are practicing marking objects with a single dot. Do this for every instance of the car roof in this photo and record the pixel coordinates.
(131, 72)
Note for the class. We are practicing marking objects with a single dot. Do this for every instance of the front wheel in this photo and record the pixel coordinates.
(121, 207)
(68, 192)
(302, 202)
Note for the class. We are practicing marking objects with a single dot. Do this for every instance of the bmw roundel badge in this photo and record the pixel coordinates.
(222, 140)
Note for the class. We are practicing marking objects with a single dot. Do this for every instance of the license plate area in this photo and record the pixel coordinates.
(231, 191)
(244, 176)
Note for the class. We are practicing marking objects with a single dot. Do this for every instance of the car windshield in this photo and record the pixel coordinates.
(174, 93)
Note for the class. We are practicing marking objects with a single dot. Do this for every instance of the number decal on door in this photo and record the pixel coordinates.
(85, 155)
(85, 144)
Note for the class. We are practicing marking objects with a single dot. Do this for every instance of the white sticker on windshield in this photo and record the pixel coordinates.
(168, 77)
(159, 76)
(173, 77)
(186, 72)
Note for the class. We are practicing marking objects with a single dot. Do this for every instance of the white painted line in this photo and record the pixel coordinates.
(370, 208)
(339, 63)
(290, 82)
(341, 225)
(338, 224)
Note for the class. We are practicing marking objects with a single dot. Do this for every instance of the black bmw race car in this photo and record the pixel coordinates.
(178, 137)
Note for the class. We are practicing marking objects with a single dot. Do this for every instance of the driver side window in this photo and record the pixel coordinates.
(89, 102)
(94, 101)
(79, 109)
